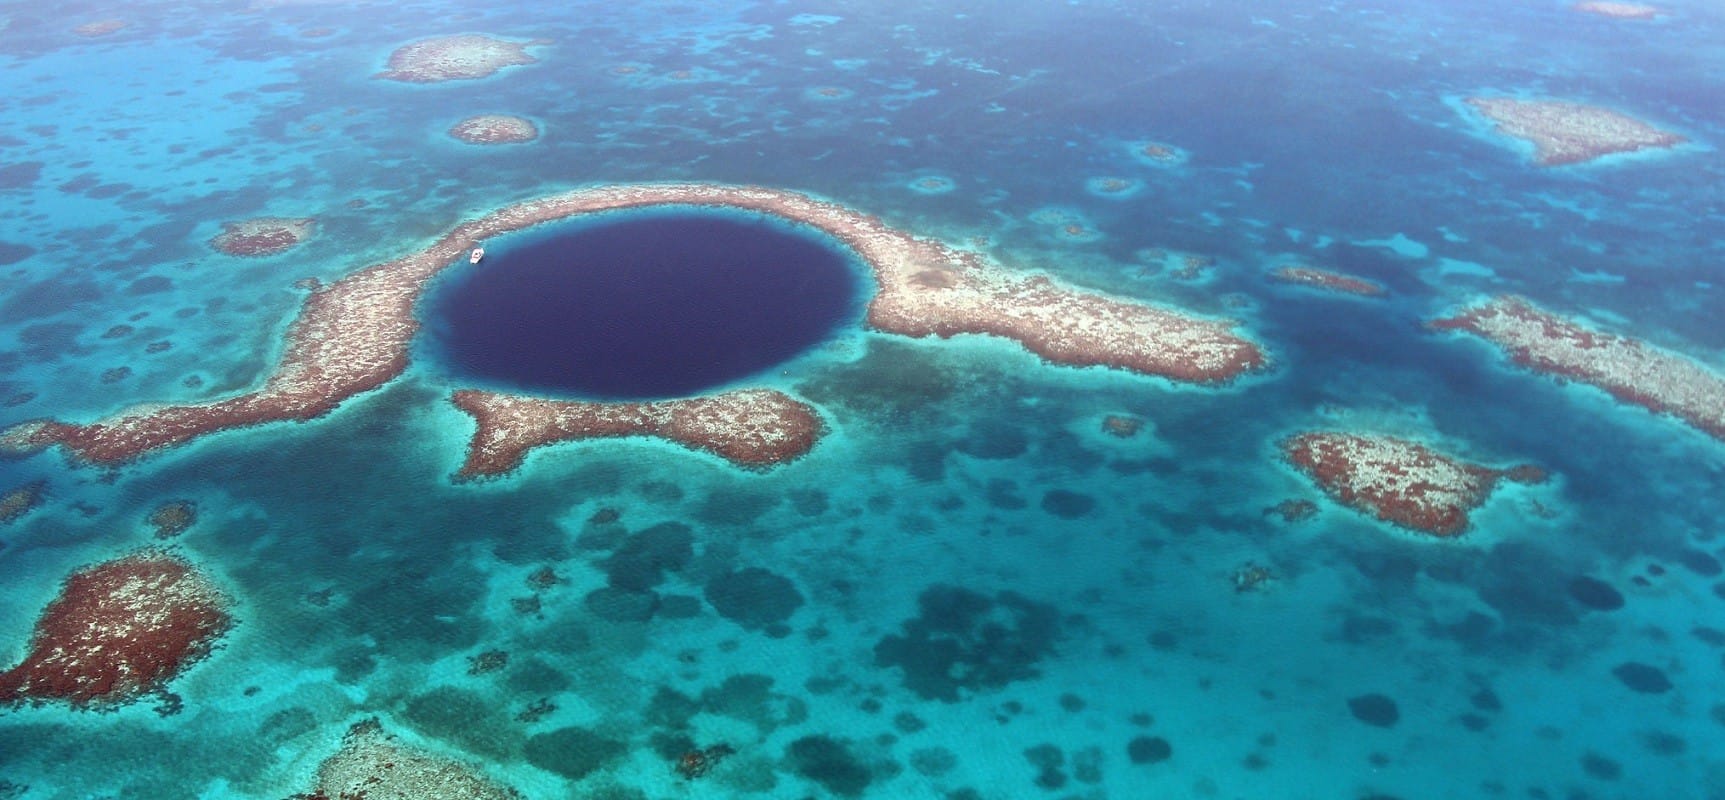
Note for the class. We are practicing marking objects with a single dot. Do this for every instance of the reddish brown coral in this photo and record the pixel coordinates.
(1396, 480)
(1121, 425)
(120, 630)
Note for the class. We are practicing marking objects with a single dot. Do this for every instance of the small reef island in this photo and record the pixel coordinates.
(1563, 133)
(354, 335)
(262, 236)
(119, 631)
(464, 57)
(1399, 481)
(495, 129)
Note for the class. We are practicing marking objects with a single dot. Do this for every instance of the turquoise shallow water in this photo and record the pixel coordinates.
(968, 588)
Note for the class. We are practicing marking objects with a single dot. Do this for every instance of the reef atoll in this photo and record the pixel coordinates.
(262, 236)
(1397, 480)
(354, 334)
(1571, 133)
(751, 428)
(455, 58)
(374, 765)
(495, 129)
(1629, 369)
(118, 631)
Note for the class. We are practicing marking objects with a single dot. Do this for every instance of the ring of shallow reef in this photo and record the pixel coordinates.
(1113, 188)
(932, 184)
(1158, 154)
(653, 303)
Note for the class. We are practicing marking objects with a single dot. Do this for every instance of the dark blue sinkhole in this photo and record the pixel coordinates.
(641, 304)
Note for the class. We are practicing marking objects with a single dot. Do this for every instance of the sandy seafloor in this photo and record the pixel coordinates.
(1323, 134)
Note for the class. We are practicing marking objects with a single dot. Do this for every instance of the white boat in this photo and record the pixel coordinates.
(478, 253)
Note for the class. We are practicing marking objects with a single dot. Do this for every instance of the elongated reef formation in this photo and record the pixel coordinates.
(1618, 10)
(120, 630)
(1325, 279)
(750, 428)
(1628, 369)
(1397, 480)
(354, 334)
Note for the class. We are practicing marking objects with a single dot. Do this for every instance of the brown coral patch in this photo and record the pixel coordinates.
(1395, 480)
(120, 630)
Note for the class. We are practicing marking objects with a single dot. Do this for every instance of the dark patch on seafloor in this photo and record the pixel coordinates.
(964, 642)
(646, 305)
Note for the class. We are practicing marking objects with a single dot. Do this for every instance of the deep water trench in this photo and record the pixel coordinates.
(641, 304)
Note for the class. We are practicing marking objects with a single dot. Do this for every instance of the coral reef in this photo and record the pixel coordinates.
(120, 630)
(1630, 370)
(262, 236)
(1395, 480)
(1325, 279)
(455, 58)
(1571, 133)
(20, 500)
(353, 335)
(751, 428)
(172, 518)
(495, 129)
(695, 763)
(374, 765)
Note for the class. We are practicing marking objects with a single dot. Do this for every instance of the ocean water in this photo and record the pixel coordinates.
(968, 588)
(656, 304)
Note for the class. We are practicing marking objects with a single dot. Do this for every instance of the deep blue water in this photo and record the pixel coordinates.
(967, 589)
(643, 305)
